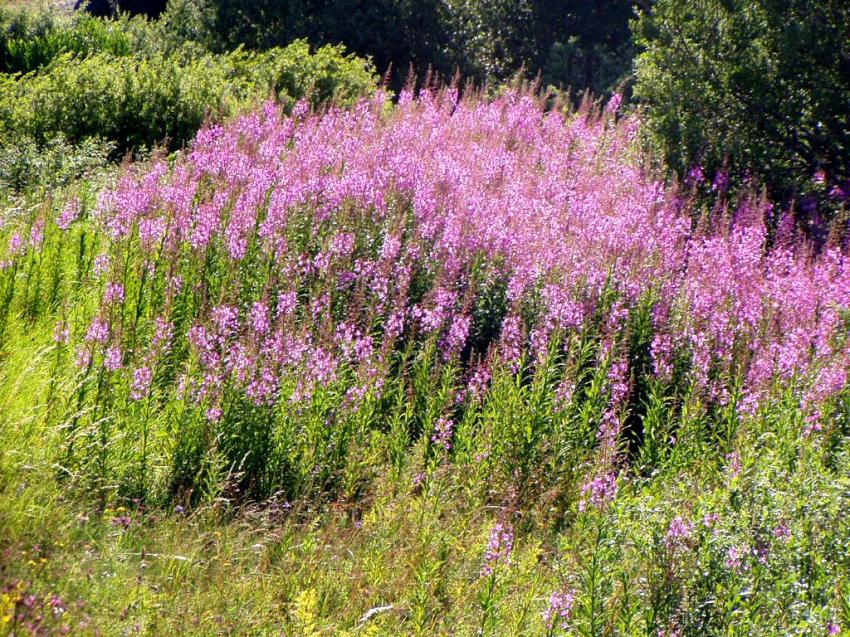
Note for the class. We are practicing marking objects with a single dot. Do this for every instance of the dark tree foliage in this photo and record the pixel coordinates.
(586, 43)
(394, 33)
(103, 8)
(577, 43)
(752, 87)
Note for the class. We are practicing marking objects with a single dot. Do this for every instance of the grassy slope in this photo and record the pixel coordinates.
(299, 572)
(275, 570)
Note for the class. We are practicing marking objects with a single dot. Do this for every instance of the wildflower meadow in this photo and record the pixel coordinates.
(472, 318)
(461, 366)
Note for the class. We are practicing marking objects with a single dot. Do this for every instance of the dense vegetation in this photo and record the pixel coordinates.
(758, 90)
(139, 103)
(342, 308)
(583, 44)
(98, 89)
(321, 358)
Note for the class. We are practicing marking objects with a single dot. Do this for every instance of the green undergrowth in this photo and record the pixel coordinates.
(766, 551)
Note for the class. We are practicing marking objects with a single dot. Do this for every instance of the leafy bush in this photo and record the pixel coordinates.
(326, 75)
(183, 24)
(32, 40)
(598, 69)
(584, 44)
(27, 164)
(142, 102)
(753, 88)
(486, 40)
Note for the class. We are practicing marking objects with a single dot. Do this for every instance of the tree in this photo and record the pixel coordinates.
(578, 43)
(151, 8)
(750, 87)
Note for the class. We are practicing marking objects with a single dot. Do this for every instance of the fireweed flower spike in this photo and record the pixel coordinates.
(678, 533)
(69, 214)
(499, 548)
(443, 432)
(142, 378)
(598, 492)
(501, 182)
(559, 610)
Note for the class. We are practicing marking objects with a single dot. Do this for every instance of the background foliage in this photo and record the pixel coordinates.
(140, 102)
(89, 85)
(580, 43)
(757, 89)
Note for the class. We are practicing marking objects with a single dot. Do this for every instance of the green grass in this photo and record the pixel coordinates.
(270, 569)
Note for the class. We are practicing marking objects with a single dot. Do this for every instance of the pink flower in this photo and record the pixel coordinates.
(286, 303)
(696, 175)
(16, 244)
(479, 382)
(260, 318)
(721, 181)
(559, 609)
(710, 519)
(70, 213)
(343, 244)
(782, 532)
(98, 331)
(456, 337)
(112, 360)
(678, 533)
(613, 104)
(735, 559)
(419, 479)
(499, 548)
(37, 233)
(142, 378)
(734, 464)
(62, 333)
(598, 492)
(443, 432)
(409, 226)
(226, 319)
(101, 264)
(83, 357)
(114, 292)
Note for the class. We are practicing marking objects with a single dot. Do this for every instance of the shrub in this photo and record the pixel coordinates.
(753, 88)
(485, 40)
(142, 102)
(27, 164)
(326, 75)
(31, 41)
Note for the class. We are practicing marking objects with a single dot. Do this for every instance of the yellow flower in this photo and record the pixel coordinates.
(8, 601)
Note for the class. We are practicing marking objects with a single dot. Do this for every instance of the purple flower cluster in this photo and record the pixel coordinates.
(598, 492)
(559, 609)
(678, 533)
(443, 432)
(339, 217)
(499, 548)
